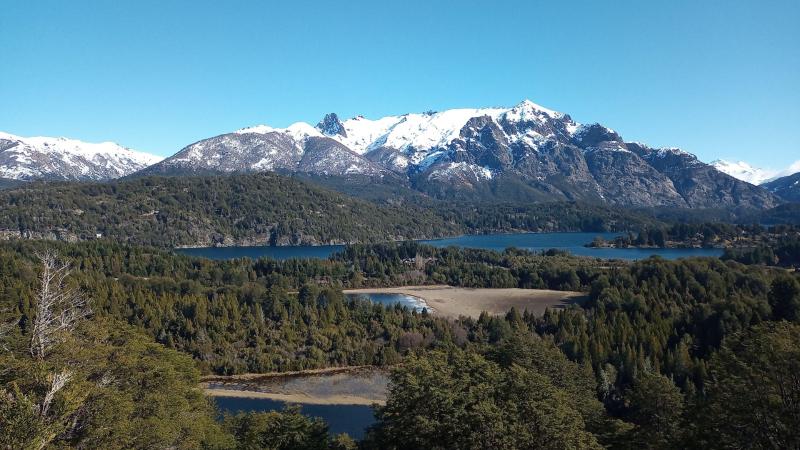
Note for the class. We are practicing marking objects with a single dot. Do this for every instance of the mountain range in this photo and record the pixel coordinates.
(48, 158)
(526, 152)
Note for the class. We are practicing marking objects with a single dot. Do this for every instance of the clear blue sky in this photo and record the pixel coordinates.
(717, 78)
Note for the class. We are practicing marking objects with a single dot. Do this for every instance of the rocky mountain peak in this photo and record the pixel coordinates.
(594, 134)
(331, 125)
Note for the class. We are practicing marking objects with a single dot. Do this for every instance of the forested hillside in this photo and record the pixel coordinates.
(267, 209)
(261, 209)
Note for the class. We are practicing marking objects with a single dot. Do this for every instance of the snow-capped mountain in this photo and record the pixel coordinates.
(744, 171)
(526, 151)
(297, 148)
(49, 158)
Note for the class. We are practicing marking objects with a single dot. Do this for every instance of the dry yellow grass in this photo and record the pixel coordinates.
(453, 302)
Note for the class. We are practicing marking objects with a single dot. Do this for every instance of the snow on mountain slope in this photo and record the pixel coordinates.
(299, 131)
(30, 158)
(744, 171)
(425, 131)
(541, 153)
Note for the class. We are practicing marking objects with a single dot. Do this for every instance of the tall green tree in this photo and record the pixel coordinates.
(457, 399)
(754, 394)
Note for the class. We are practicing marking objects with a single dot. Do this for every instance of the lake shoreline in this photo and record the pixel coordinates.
(338, 243)
(347, 385)
(294, 398)
(573, 243)
(293, 373)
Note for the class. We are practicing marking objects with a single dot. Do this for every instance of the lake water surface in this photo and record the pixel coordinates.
(350, 419)
(571, 242)
(326, 395)
(391, 299)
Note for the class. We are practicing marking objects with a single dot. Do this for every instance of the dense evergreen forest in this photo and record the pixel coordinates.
(657, 348)
(262, 209)
(267, 209)
(704, 234)
(785, 252)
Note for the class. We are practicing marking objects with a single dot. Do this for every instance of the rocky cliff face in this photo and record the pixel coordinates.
(787, 188)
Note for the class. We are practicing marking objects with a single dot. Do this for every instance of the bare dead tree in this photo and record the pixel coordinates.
(58, 308)
(57, 382)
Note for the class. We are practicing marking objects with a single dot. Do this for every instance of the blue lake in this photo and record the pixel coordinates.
(571, 242)
(408, 301)
(350, 419)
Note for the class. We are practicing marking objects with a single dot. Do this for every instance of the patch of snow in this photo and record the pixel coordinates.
(299, 131)
(258, 129)
(744, 171)
(455, 168)
(529, 111)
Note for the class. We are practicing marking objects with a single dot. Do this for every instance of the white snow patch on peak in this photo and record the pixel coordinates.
(257, 129)
(298, 130)
(301, 131)
(663, 151)
(364, 134)
(9, 136)
(527, 110)
(425, 131)
(753, 175)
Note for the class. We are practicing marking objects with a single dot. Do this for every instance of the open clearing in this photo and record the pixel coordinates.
(453, 302)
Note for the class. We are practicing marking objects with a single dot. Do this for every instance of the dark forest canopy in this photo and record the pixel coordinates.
(267, 209)
(684, 337)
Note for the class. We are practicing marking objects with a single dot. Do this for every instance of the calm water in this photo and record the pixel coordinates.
(572, 242)
(350, 419)
(408, 301)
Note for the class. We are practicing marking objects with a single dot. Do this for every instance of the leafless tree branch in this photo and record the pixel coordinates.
(58, 308)
(57, 382)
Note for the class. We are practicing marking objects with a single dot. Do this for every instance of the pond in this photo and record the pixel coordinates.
(389, 299)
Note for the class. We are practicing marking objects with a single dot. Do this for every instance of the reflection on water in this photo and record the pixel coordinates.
(367, 383)
(350, 419)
